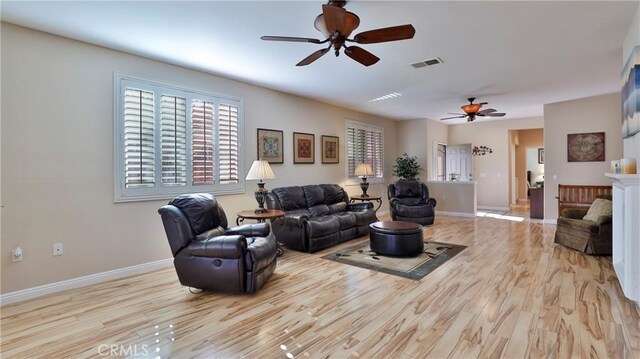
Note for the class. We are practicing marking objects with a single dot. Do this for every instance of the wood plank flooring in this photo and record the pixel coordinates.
(512, 293)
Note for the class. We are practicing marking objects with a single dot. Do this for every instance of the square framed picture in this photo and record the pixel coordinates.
(330, 149)
(303, 147)
(270, 145)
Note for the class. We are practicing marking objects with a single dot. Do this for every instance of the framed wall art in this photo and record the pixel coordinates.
(330, 149)
(541, 156)
(270, 145)
(303, 147)
(631, 94)
(585, 147)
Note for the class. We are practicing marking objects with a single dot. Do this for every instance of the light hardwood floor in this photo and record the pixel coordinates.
(512, 293)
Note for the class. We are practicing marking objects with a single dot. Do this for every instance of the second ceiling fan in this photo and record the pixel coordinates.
(473, 109)
(336, 24)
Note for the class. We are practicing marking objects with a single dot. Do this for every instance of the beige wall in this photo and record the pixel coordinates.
(57, 155)
(411, 139)
(591, 114)
(453, 196)
(437, 132)
(632, 144)
(492, 170)
(526, 139)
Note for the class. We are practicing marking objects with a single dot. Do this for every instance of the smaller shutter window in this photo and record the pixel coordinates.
(364, 144)
(139, 144)
(202, 141)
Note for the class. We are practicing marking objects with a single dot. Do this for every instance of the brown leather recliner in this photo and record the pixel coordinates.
(210, 256)
(585, 236)
(409, 201)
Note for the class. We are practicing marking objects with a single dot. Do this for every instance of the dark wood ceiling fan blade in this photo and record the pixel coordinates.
(496, 114)
(291, 39)
(313, 57)
(395, 33)
(484, 112)
(361, 55)
(451, 118)
(334, 18)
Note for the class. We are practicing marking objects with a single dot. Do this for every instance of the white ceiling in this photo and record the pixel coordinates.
(515, 55)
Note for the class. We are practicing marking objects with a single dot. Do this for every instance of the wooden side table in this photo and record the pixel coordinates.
(368, 199)
(262, 217)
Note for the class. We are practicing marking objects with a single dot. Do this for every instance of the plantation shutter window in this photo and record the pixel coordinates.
(173, 136)
(139, 144)
(202, 152)
(365, 144)
(169, 140)
(228, 156)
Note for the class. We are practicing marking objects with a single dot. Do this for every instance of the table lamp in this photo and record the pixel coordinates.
(260, 170)
(363, 171)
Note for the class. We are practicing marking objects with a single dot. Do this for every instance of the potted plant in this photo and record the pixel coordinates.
(406, 167)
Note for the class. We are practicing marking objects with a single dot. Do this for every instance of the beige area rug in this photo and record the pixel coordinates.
(435, 254)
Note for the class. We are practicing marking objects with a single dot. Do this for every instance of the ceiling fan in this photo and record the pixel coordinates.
(336, 24)
(473, 109)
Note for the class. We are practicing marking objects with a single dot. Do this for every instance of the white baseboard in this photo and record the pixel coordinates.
(456, 214)
(506, 209)
(41, 290)
(550, 221)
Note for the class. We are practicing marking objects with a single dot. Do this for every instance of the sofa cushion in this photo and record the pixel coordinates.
(599, 208)
(314, 195)
(290, 197)
(346, 219)
(319, 210)
(337, 207)
(322, 226)
(364, 218)
(408, 189)
(332, 193)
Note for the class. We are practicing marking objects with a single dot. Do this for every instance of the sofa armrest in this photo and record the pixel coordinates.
(250, 230)
(357, 207)
(574, 213)
(294, 219)
(230, 247)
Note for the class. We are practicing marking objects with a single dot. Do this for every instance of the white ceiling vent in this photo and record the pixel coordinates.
(425, 63)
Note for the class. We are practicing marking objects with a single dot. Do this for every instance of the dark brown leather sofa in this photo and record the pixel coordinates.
(318, 216)
(409, 201)
(210, 256)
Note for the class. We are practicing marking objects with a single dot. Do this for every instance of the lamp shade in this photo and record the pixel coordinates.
(363, 169)
(260, 170)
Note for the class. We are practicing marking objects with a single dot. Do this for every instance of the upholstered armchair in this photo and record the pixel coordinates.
(591, 236)
(409, 201)
(210, 256)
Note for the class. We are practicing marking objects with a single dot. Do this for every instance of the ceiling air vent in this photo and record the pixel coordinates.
(425, 63)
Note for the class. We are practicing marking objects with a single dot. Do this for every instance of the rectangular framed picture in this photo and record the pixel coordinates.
(270, 145)
(303, 147)
(330, 149)
(585, 147)
(540, 155)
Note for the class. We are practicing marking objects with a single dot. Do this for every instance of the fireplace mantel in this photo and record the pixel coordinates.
(626, 232)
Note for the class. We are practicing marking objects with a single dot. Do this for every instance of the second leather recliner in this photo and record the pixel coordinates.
(409, 201)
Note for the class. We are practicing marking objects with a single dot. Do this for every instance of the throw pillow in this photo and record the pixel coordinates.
(599, 208)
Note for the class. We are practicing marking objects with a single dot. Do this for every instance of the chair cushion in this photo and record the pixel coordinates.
(599, 208)
(201, 210)
(408, 189)
(346, 219)
(579, 224)
(423, 210)
(410, 201)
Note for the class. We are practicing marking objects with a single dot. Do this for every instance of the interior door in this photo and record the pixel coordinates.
(459, 161)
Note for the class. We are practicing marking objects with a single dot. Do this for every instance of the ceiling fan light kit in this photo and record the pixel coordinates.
(337, 24)
(474, 109)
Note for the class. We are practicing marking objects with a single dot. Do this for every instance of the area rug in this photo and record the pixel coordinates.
(435, 254)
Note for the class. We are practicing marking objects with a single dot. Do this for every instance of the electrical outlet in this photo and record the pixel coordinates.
(57, 249)
(16, 254)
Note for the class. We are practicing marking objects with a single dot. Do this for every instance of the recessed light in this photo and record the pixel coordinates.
(386, 97)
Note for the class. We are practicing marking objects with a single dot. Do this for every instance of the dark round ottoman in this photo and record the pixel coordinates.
(396, 238)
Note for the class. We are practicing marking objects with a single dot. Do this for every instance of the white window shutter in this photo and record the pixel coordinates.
(139, 141)
(228, 144)
(202, 142)
(364, 144)
(173, 137)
